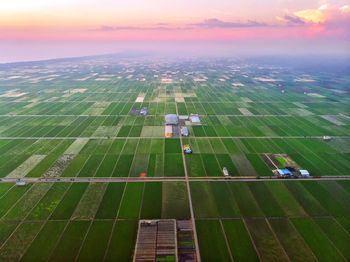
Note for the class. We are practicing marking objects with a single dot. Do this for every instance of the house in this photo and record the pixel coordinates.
(195, 119)
(183, 117)
(225, 172)
(327, 138)
(143, 111)
(171, 119)
(304, 173)
(284, 172)
(20, 182)
(184, 131)
(168, 132)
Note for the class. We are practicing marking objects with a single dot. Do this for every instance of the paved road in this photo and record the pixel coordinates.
(165, 179)
(189, 197)
(155, 137)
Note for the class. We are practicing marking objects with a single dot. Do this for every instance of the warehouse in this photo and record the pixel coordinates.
(171, 119)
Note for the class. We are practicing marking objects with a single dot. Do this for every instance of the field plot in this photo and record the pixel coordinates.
(272, 218)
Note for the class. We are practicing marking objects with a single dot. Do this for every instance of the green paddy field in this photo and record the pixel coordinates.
(74, 119)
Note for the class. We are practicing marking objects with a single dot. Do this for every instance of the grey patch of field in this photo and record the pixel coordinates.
(224, 120)
(3, 128)
(13, 93)
(71, 92)
(243, 165)
(304, 80)
(266, 79)
(245, 112)
(174, 199)
(19, 241)
(102, 131)
(60, 164)
(34, 194)
(267, 131)
(76, 146)
(315, 95)
(90, 201)
(301, 112)
(179, 99)
(33, 102)
(298, 104)
(333, 120)
(140, 98)
(152, 131)
(147, 131)
(51, 99)
(23, 169)
(340, 144)
(159, 99)
(95, 111)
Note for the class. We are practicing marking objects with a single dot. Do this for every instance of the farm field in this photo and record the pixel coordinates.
(94, 165)
(51, 221)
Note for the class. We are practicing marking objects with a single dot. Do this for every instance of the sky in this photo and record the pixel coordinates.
(41, 29)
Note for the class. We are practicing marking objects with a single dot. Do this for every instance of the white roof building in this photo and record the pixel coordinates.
(195, 119)
(304, 173)
(171, 119)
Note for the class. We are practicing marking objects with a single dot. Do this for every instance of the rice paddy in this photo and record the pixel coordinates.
(94, 167)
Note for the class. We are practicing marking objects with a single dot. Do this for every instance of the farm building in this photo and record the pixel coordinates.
(156, 241)
(171, 119)
(184, 131)
(327, 138)
(183, 117)
(284, 172)
(304, 173)
(168, 132)
(143, 111)
(20, 182)
(195, 119)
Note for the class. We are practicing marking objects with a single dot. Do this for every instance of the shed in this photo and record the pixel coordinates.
(143, 111)
(284, 172)
(184, 131)
(20, 182)
(171, 119)
(168, 132)
(304, 173)
(195, 119)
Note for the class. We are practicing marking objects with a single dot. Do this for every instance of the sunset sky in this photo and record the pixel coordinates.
(40, 29)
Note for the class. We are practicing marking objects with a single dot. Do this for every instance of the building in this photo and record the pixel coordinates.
(183, 117)
(20, 182)
(184, 131)
(304, 173)
(225, 172)
(327, 138)
(195, 119)
(143, 111)
(156, 241)
(168, 132)
(171, 119)
(284, 172)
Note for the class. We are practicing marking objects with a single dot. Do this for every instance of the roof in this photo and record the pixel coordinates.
(171, 119)
(168, 129)
(195, 119)
(304, 172)
(284, 172)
